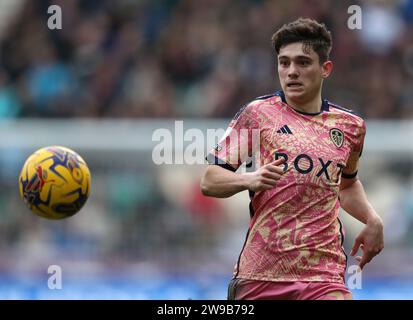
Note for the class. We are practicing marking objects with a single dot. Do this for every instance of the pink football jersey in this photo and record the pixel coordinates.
(294, 233)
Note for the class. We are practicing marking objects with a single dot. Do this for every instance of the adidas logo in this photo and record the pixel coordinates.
(284, 129)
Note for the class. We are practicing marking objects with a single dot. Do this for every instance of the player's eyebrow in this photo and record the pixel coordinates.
(299, 57)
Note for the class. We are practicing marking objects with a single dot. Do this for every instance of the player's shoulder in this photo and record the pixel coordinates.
(273, 98)
(256, 104)
(346, 112)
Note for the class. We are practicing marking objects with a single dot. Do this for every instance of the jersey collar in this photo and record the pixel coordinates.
(324, 104)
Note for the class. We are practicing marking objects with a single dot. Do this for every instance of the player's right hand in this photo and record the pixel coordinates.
(267, 176)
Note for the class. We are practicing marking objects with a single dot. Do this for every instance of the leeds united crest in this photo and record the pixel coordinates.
(337, 136)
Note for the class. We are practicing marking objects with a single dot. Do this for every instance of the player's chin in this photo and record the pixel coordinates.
(295, 93)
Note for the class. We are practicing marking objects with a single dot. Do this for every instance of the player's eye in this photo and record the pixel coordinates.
(303, 62)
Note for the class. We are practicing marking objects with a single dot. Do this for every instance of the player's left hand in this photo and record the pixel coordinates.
(371, 241)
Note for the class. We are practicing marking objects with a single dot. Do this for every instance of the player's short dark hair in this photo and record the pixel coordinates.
(310, 32)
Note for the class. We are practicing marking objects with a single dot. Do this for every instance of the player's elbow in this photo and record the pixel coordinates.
(214, 184)
(209, 184)
(206, 186)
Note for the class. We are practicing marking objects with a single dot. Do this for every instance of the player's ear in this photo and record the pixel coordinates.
(327, 68)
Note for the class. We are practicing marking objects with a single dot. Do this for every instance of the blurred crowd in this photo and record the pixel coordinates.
(186, 58)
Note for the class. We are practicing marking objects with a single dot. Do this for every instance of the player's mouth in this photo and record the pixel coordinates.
(294, 84)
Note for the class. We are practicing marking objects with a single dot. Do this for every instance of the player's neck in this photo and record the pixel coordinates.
(310, 106)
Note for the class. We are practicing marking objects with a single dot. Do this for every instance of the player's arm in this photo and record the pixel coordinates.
(353, 200)
(240, 142)
(222, 182)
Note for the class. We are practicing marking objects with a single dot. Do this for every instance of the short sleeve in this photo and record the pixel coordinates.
(351, 169)
(240, 140)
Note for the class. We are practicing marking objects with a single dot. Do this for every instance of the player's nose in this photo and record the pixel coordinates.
(293, 71)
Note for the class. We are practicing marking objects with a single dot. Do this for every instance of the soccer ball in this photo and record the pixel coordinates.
(54, 182)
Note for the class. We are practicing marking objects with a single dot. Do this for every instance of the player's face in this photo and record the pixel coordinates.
(300, 73)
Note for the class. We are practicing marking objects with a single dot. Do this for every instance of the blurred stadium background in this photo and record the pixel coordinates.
(119, 70)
